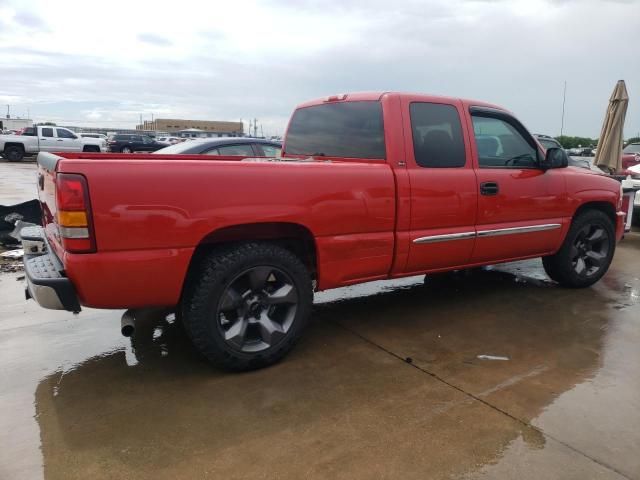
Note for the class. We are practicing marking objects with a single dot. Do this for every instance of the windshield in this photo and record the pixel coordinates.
(633, 148)
(347, 130)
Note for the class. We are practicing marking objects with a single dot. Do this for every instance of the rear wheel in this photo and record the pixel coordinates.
(14, 153)
(586, 253)
(126, 149)
(246, 306)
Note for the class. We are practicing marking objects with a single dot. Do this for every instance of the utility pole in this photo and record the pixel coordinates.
(261, 131)
(8, 114)
(255, 127)
(564, 97)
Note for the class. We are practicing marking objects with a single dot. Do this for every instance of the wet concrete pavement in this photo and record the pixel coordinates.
(386, 383)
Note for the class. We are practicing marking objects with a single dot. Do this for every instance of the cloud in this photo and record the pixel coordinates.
(29, 20)
(153, 39)
(262, 60)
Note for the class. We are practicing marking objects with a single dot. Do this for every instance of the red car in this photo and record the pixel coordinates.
(370, 186)
(630, 156)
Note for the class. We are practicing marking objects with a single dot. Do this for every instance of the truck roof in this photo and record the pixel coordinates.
(377, 96)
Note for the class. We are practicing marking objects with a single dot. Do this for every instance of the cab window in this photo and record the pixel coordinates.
(62, 133)
(437, 135)
(270, 150)
(47, 132)
(501, 145)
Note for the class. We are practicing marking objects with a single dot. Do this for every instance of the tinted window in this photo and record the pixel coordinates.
(270, 150)
(29, 132)
(351, 129)
(437, 135)
(501, 145)
(47, 132)
(123, 138)
(548, 143)
(62, 133)
(244, 150)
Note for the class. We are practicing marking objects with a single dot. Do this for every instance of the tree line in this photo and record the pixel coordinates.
(575, 142)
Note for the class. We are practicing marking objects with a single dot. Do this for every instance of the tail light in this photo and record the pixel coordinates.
(74, 213)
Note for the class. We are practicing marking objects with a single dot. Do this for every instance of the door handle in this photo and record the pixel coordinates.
(60, 140)
(489, 188)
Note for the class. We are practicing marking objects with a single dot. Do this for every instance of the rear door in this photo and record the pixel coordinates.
(443, 184)
(521, 207)
(47, 140)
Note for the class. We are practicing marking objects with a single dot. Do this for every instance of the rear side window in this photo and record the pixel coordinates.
(347, 130)
(437, 135)
(244, 150)
(47, 132)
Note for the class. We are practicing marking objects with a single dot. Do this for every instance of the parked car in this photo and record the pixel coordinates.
(634, 172)
(128, 143)
(169, 140)
(46, 139)
(630, 156)
(369, 187)
(247, 147)
(101, 136)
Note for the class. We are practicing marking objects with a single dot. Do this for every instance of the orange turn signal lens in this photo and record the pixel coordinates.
(72, 219)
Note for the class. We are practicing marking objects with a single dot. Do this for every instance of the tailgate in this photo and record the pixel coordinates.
(47, 163)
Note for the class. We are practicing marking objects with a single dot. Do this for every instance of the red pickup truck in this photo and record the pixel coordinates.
(370, 186)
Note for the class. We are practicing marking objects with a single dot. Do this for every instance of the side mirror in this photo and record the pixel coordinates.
(555, 158)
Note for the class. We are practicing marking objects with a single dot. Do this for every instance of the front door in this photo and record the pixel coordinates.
(443, 185)
(521, 207)
(67, 141)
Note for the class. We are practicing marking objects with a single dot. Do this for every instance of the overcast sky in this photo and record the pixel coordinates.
(106, 63)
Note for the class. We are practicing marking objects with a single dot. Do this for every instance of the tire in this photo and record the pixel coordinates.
(586, 253)
(245, 306)
(14, 153)
(126, 149)
(91, 149)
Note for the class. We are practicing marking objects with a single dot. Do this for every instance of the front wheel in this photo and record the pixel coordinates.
(586, 253)
(246, 305)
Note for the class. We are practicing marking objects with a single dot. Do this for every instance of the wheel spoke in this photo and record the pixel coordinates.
(285, 294)
(597, 236)
(237, 332)
(231, 300)
(595, 258)
(258, 277)
(580, 266)
(270, 331)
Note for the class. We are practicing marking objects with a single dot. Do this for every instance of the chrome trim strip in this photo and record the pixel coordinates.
(487, 233)
(512, 230)
(445, 237)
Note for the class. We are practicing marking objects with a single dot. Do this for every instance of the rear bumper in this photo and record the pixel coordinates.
(46, 282)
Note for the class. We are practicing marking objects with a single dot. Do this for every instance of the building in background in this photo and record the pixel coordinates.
(15, 123)
(193, 128)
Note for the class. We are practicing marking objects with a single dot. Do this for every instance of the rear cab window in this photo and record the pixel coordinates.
(437, 135)
(343, 130)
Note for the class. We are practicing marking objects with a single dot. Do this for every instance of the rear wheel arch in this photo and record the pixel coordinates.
(294, 237)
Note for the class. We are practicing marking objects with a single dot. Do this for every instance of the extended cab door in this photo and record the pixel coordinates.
(521, 207)
(46, 140)
(443, 184)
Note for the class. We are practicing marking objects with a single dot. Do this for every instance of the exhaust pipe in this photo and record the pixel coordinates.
(127, 324)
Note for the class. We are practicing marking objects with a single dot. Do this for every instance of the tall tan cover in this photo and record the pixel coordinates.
(609, 153)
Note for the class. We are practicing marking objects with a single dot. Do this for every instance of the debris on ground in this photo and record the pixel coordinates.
(13, 254)
(11, 267)
(491, 357)
(15, 217)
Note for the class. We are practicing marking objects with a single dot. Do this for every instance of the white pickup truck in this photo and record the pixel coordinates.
(47, 139)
